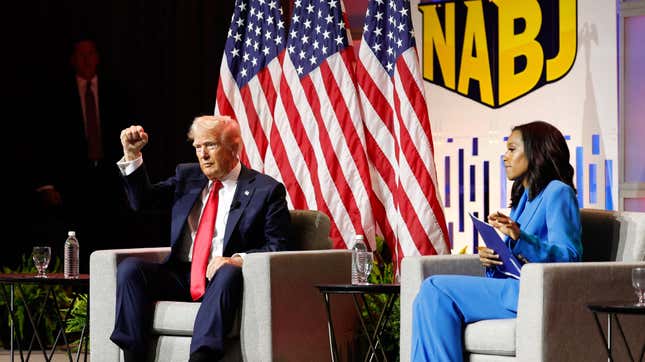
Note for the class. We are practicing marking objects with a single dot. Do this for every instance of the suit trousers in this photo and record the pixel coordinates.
(140, 284)
(446, 303)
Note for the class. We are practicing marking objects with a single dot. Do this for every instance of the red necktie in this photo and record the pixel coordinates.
(202, 245)
(94, 144)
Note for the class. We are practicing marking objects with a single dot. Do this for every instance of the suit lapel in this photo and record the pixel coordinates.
(529, 210)
(243, 194)
(185, 203)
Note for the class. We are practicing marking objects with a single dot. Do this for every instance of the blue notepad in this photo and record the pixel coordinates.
(511, 266)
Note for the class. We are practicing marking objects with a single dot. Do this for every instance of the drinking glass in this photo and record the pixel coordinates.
(41, 256)
(364, 265)
(638, 281)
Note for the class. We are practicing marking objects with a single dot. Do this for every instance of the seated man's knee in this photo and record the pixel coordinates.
(228, 278)
(130, 268)
(229, 273)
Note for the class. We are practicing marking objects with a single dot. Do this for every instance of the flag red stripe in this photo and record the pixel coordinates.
(418, 233)
(306, 149)
(331, 160)
(381, 163)
(383, 109)
(296, 194)
(253, 120)
(381, 106)
(380, 215)
(298, 131)
(376, 98)
(223, 104)
(415, 98)
(226, 109)
(266, 82)
(346, 123)
(420, 169)
(421, 174)
(289, 179)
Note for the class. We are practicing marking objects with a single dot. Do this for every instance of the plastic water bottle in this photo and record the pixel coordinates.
(71, 256)
(359, 245)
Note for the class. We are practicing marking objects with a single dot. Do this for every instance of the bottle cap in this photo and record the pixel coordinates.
(71, 233)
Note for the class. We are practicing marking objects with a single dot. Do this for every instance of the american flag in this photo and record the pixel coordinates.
(298, 108)
(398, 135)
(318, 129)
(250, 72)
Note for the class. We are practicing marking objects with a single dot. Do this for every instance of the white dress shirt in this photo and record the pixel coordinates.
(226, 193)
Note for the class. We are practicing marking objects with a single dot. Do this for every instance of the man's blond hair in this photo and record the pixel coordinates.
(228, 128)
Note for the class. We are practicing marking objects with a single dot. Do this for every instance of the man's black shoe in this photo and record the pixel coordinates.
(132, 356)
(204, 355)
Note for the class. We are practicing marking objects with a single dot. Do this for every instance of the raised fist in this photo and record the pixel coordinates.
(133, 139)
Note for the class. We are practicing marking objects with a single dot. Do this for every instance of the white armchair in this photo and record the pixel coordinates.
(282, 315)
(553, 323)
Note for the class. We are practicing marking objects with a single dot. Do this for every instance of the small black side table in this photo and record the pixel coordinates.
(359, 291)
(613, 309)
(52, 279)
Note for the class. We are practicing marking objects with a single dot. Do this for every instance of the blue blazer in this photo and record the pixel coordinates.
(258, 219)
(550, 228)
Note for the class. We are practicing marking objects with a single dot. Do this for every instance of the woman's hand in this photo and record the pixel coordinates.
(487, 257)
(505, 225)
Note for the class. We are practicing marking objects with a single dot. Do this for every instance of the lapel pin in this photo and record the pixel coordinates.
(246, 192)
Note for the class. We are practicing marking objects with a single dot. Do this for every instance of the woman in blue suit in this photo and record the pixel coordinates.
(544, 226)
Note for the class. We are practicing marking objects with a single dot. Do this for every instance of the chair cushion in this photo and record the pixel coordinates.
(174, 318)
(632, 237)
(600, 234)
(178, 318)
(309, 230)
(167, 348)
(492, 336)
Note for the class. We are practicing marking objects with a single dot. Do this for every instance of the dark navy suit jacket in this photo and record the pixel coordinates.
(258, 219)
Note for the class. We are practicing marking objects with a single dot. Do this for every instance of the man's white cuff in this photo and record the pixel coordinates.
(241, 255)
(128, 167)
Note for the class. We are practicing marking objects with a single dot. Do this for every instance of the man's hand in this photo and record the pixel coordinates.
(218, 261)
(488, 257)
(133, 139)
(505, 225)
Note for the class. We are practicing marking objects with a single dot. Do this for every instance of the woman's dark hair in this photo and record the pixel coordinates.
(548, 159)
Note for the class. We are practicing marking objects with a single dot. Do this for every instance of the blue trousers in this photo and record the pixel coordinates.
(140, 284)
(444, 305)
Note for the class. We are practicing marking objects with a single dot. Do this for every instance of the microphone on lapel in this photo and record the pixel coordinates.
(235, 205)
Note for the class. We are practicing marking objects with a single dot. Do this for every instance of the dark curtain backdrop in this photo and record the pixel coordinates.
(164, 53)
(165, 56)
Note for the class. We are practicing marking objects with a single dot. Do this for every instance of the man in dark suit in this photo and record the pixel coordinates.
(77, 184)
(221, 210)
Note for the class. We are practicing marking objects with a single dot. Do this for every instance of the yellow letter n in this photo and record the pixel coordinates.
(439, 39)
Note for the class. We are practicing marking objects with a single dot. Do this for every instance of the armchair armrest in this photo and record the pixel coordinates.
(414, 270)
(553, 322)
(283, 314)
(103, 265)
